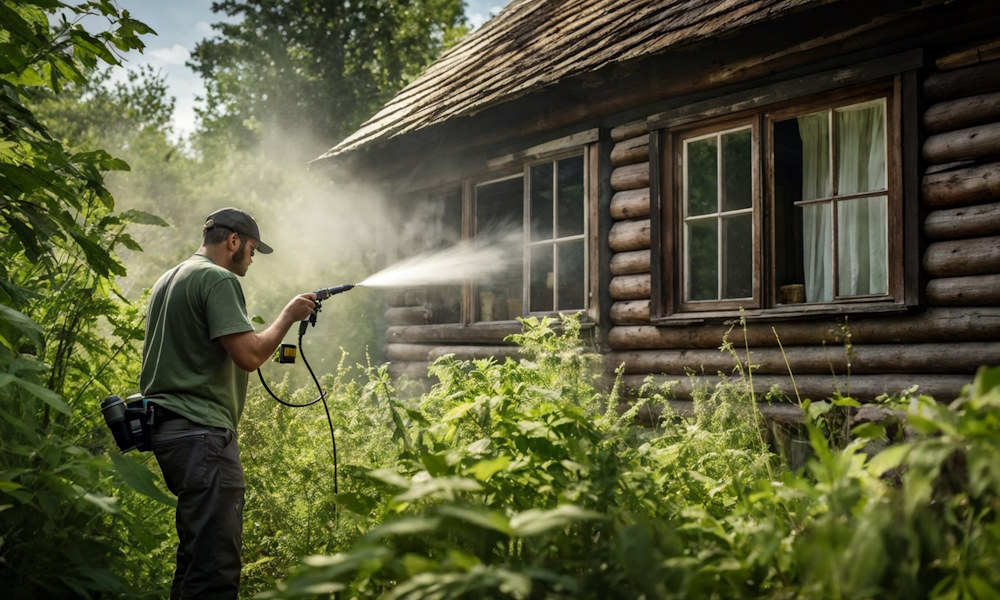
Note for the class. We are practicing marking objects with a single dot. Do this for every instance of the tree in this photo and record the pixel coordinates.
(58, 237)
(315, 69)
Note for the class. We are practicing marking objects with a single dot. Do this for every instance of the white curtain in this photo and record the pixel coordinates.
(817, 222)
(862, 224)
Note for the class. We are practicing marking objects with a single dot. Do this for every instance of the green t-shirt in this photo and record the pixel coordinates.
(185, 367)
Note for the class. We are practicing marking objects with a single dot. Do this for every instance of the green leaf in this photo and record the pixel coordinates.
(136, 475)
(535, 522)
(888, 459)
(485, 519)
(485, 469)
(42, 393)
(23, 325)
(143, 218)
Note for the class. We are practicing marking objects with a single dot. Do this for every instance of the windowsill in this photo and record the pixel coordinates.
(586, 322)
(782, 312)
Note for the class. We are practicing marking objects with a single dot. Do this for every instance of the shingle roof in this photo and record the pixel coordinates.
(533, 43)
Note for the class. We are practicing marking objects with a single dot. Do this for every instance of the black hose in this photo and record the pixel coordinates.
(320, 398)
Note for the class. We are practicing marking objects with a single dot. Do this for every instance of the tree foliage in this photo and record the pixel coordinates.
(62, 327)
(314, 69)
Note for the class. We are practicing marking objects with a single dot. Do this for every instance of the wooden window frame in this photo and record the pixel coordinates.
(668, 303)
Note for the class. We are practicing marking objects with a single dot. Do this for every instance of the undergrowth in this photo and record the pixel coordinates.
(519, 479)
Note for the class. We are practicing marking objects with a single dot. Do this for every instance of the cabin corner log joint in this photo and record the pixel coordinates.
(811, 169)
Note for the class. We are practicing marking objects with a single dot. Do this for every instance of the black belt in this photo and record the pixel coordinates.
(162, 415)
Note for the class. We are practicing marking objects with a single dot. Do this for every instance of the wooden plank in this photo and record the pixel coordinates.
(931, 325)
(865, 388)
(965, 222)
(957, 258)
(626, 236)
(941, 357)
(963, 112)
(964, 144)
(962, 187)
(962, 83)
(474, 352)
(799, 87)
(973, 54)
(978, 290)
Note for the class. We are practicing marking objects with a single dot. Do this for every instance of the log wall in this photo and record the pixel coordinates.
(938, 347)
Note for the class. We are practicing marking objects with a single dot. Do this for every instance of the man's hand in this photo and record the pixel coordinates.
(300, 307)
(249, 350)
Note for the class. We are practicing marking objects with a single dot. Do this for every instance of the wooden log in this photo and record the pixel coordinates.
(408, 352)
(406, 297)
(973, 54)
(970, 324)
(960, 83)
(626, 236)
(969, 143)
(865, 388)
(407, 315)
(957, 258)
(977, 290)
(490, 333)
(474, 352)
(629, 130)
(630, 287)
(941, 357)
(630, 177)
(963, 112)
(630, 312)
(962, 187)
(630, 204)
(964, 222)
(630, 151)
(630, 263)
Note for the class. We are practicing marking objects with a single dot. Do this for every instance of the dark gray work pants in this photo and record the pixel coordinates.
(201, 466)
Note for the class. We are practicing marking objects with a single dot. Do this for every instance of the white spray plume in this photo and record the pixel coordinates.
(479, 260)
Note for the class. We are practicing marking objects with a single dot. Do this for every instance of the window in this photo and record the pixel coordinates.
(557, 269)
(785, 208)
(546, 204)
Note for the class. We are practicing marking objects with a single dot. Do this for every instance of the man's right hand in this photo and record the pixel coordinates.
(300, 307)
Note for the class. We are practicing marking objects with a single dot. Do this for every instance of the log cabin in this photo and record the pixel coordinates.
(818, 180)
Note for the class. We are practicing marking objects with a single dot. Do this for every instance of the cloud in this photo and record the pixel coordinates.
(167, 57)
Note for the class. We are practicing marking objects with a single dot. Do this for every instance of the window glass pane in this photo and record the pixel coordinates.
(542, 278)
(446, 230)
(737, 170)
(570, 217)
(500, 212)
(703, 260)
(737, 274)
(817, 251)
(541, 202)
(861, 163)
(701, 185)
(570, 275)
(863, 247)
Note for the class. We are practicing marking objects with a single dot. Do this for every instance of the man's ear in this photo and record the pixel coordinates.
(233, 241)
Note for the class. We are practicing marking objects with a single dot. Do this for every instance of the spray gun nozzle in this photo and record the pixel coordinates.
(324, 293)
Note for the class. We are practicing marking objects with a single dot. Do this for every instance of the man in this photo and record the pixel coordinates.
(198, 350)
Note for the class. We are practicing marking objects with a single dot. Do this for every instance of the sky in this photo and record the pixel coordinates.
(180, 24)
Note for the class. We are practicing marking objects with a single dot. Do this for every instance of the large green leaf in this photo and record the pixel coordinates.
(140, 479)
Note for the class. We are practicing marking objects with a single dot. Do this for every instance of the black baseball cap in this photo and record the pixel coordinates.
(239, 221)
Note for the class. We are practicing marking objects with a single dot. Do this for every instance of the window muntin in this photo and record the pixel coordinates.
(824, 174)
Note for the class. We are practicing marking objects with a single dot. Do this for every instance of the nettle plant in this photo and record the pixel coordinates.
(518, 479)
